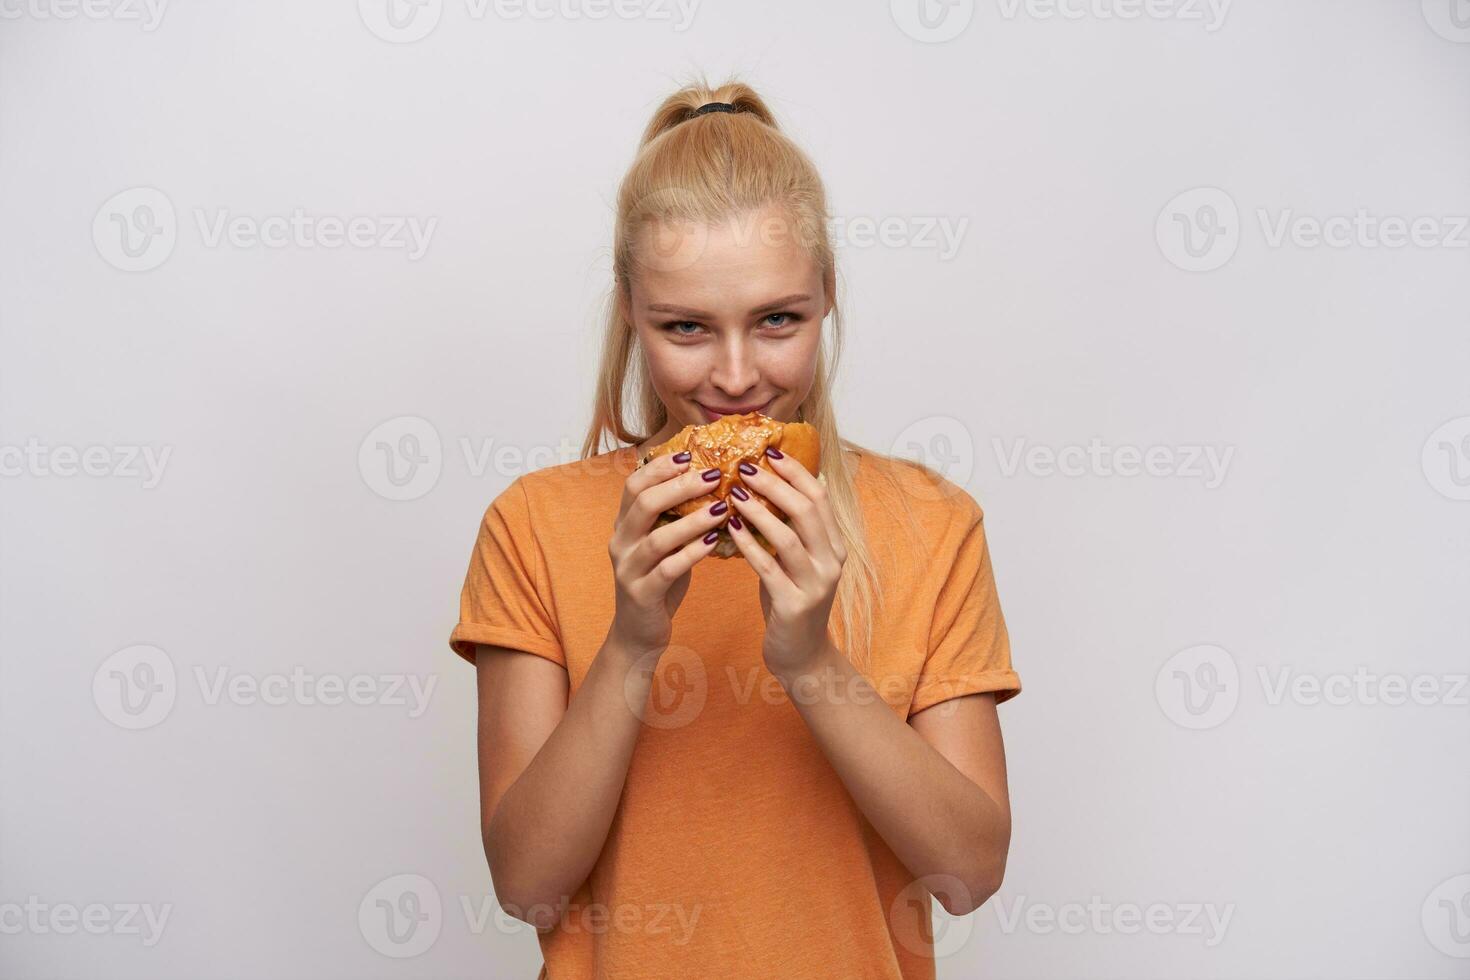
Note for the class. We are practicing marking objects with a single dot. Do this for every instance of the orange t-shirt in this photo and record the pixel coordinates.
(735, 850)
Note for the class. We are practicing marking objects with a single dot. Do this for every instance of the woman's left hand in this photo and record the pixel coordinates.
(797, 591)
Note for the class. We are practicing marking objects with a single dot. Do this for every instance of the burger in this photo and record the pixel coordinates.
(724, 444)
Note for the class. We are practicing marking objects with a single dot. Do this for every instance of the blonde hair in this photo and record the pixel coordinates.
(700, 168)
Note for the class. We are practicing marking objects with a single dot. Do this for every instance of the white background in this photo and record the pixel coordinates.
(1055, 141)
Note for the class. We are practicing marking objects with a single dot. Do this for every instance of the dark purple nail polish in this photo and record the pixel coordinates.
(712, 537)
(739, 491)
(683, 457)
(719, 507)
(774, 453)
(713, 473)
(747, 468)
(735, 522)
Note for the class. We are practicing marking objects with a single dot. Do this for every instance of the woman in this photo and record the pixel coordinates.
(692, 776)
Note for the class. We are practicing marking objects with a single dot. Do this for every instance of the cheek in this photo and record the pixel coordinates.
(791, 364)
(671, 367)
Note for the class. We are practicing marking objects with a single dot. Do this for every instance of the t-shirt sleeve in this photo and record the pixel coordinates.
(969, 648)
(503, 602)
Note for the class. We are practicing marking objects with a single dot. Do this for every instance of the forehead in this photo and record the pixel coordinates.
(733, 262)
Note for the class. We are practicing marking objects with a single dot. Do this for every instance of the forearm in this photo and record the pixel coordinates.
(551, 823)
(936, 819)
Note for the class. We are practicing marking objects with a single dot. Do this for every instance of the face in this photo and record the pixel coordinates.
(728, 315)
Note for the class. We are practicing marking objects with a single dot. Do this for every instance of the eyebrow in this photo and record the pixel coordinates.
(774, 304)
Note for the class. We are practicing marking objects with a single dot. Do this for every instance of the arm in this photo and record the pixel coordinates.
(934, 789)
(551, 773)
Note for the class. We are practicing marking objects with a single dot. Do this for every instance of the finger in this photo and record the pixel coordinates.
(793, 503)
(669, 537)
(653, 472)
(654, 500)
(795, 559)
(816, 491)
(681, 561)
(767, 568)
(686, 486)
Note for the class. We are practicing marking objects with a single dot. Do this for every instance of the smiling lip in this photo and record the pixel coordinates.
(712, 415)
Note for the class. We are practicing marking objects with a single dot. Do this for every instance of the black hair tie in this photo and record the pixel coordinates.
(715, 107)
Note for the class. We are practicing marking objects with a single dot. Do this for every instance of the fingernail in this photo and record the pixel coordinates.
(682, 457)
(712, 537)
(747, 468)
(739, 491)
(774, 453)
(719, 507)
(713, 473)
(735, 522)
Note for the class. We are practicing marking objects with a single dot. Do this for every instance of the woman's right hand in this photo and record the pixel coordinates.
(651, 565)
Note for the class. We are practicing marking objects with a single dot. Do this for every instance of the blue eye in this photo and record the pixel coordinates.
(676, 327)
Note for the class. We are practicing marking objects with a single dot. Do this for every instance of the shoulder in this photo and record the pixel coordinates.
(579, 477)
(558, 502)
(937, 502)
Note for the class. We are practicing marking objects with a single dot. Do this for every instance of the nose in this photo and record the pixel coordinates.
(735, 369)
